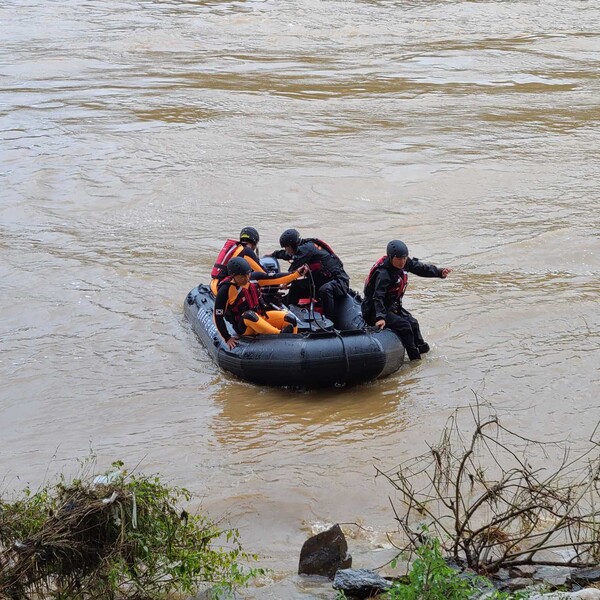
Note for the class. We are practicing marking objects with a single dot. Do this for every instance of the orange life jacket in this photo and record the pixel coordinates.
(248, 298)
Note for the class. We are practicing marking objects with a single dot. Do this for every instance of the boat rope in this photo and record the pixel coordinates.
(312, 292)
(311, 311)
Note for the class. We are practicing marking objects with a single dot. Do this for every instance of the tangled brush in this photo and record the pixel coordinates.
(79, 535)
(122, 537)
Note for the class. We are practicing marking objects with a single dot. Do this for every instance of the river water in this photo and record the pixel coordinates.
(137, 136)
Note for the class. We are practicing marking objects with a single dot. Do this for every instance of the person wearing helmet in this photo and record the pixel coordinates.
(384, 289)
(245, 247)
(328, 277)
(239, 301)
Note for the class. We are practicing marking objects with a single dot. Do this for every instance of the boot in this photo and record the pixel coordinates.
(413, 353)
(424, 348)
(291, 319)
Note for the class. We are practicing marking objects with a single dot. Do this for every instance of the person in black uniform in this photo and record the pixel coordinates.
(326, 270)
(384, 289)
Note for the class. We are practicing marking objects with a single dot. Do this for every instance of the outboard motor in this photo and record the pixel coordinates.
(270, 264)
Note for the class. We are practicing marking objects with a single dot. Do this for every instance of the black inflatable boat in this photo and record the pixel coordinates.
(318, 356)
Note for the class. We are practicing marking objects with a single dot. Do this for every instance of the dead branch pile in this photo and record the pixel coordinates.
(82, 529)
(114, 536)
(481, 496)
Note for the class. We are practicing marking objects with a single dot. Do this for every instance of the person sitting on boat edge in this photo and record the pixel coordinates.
(239, 301)
(384, 289)
(245, 247)
(330, 280)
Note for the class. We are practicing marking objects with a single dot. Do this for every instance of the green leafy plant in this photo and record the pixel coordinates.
(431, 578)
(123, 536)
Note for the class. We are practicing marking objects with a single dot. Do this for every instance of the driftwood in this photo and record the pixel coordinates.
(491, 508)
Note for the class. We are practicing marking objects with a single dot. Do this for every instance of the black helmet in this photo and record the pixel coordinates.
(396, 248)
(238, 266)
(290, 237)
(249, 234)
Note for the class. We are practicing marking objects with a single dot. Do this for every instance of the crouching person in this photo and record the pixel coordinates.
(239, 301)
(384, 289)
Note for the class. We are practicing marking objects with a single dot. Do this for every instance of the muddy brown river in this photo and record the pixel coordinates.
(137, 136)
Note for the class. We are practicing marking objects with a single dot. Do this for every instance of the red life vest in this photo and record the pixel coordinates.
(249, 298)
(321, 245)
(219, 270)
(399, 286)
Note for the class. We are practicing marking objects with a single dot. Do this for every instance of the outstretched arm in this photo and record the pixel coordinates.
(281, 255)
(414, 265)
(264, 279)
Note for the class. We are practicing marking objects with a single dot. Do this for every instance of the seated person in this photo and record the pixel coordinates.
(239, 301)
(384, 289)
(327, 270)
(244, 248)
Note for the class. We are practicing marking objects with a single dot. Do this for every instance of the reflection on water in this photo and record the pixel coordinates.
(253, 419)
(136, 136)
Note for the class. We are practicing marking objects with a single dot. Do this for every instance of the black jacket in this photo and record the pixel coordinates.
(380, 295)
(323, 265)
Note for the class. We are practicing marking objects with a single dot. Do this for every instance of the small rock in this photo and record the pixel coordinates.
(501, 575)
(517, 583)
(522, 571)
(360, 583)
(585, 594)
(554, 581)
(325, 553)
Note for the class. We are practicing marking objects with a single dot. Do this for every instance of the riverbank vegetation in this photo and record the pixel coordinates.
(488, 501)
(484, 499)
(493, 500)
(117, 536)
(431, 577)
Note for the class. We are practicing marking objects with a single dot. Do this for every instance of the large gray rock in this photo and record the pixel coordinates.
(325, 553)
(553, 577)
(585, 577)
(360, 583)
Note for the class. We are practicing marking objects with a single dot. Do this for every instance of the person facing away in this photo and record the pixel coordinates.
(239, 301)
(245, 247)
(331, 282)
(384, 289)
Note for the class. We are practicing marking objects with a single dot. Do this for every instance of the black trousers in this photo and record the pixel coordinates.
(406, 327)
(408, 330)
(326, 293)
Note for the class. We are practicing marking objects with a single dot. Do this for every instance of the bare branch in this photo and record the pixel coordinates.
(491, 506)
